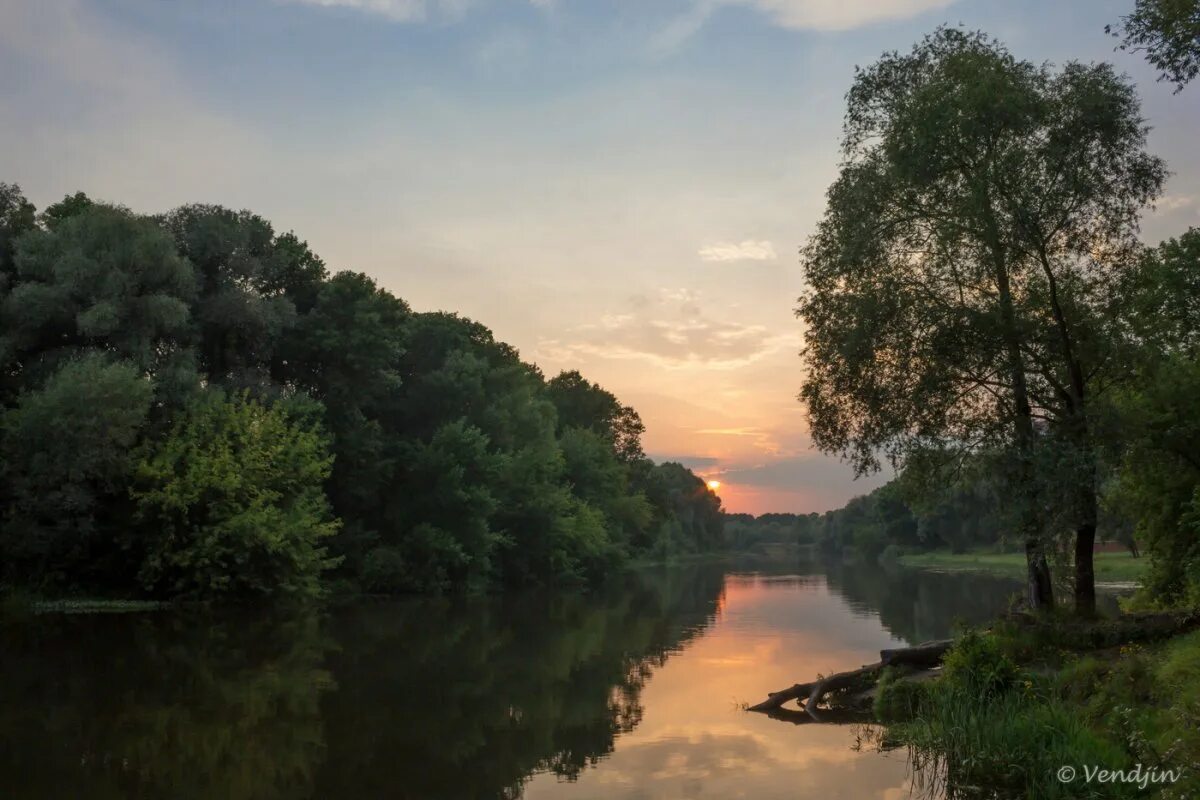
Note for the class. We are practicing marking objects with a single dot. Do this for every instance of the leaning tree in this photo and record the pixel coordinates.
(960, 286)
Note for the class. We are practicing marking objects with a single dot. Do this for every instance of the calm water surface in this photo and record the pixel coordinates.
(631, 692)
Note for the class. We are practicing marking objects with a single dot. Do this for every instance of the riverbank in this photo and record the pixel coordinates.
(1032, 707)
(1110, 567)
(1046, 709)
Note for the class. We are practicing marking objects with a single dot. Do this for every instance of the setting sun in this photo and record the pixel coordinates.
(714, 485)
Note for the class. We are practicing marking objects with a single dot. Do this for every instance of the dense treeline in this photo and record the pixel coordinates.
(193, 406)
(982, 313)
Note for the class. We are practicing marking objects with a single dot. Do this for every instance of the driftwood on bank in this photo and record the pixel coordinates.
(812, 693)
(1086, 635)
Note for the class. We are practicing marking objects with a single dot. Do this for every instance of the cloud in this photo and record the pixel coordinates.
(837, 15)
(671, 331)
(748, 250)
(816, 15)
(396, 10)
(804, 472)
(691, 462)
(406, 10)
(1174, 202)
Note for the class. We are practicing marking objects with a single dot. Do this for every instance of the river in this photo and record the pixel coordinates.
(632, 691)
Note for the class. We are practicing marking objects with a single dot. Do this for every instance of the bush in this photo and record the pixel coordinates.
(384, 571)
(891, 554)
(231, 502)
(899, 700)
(977, 663)
(66, 457)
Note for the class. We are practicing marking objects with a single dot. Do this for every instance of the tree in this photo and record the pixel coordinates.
(103, 279)
(1168, 32)
(598, 478)
(251, 284)
(231, 503)
(67, 459)
(70, 206)
(261, 399)
(17, 216)
(582, 404)
(445, 538)
(960, 281)
(346, 352)
(1156, 435)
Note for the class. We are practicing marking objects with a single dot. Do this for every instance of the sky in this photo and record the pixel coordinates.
(614, 186)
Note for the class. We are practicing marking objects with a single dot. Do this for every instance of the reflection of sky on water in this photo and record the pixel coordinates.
(694, 742)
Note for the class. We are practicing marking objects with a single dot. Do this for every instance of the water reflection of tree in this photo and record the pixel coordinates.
(467, 699)
(461, 698)
(159, 706)
(918, 605)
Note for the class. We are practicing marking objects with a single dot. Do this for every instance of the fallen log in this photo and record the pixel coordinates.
(812, 693)
(928, 654)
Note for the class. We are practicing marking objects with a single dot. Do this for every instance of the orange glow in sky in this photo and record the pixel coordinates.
(714, 485)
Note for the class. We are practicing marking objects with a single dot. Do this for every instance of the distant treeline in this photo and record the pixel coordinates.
(191, 405)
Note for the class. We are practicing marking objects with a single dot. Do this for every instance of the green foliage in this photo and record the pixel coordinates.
(284, 423)
(582, 404)
(1121, 704)
(977, 664)
(1008, 744)
(17, 216)
(230, 503)
(962, 281)
(899, 700)
(70, 206)
(102, 279)
(746, 532)
(66, 461)
(1168, 32)
(250, 284)
(1156, 428)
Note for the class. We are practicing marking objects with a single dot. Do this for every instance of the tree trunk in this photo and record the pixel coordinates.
(1085, 537)
(1039, 587)
(1085, 575)
(1040, 591)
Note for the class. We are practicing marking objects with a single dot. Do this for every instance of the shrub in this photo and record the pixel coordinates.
(384, 571)
(231, 502)
(978, 664)
(66, 457)
(899, 700)
(891, 554)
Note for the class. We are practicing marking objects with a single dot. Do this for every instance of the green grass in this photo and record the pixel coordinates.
(1113, 707)
(1115, 567)
(92, 606)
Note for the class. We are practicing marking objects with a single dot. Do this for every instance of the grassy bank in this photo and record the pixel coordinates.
(1015, 708)
(1113, 567)
(22, 603)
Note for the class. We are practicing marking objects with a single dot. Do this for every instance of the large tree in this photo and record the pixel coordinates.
(101, 278)
(251, 282)
(959, 283)
(583, 404)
